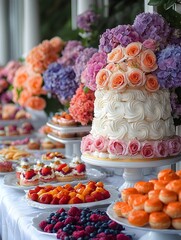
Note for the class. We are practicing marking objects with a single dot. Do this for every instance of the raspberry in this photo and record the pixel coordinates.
(61, 235)
(48, 228)
(58, 225)
(89, 229)
(69, 220)
(113, 225)
(42, 224)
(121, 236)
(79, 234)
(103, 218)
(101, 235)
(94, 217)
(60, 210)
(78, 228)
(74, 211)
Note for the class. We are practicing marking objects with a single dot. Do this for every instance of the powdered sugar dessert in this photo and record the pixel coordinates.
(132, 114)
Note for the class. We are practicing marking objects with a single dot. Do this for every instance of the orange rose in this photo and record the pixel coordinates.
(148, 61)
(34, 83)
(133, 49)
(36, 103)
(102, 78)
(57, 43)
(23, 97)
(116, 55)
(118, 81)
(21, 77)
(151, 84)
(135, 77)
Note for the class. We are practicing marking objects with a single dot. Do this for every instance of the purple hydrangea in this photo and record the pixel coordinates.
(82, 60)
(60, 80)
(70, 53)
(175, 36)
(154, 26)
(169, 67)
(96, 62)
(86, 20)
(175, 104)
(120, 35)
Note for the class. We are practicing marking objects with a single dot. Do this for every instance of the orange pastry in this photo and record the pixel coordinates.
(144, 187)
(132, 197)
(126, 192)
(179, 173)
(174, 185)
(154, 194)
(153, 205)
(167, 196)
(138, 203)
(176, 223)
(138, 218)
(173, 209)
(167, 174)
(122, 209)
(159, 185)
(159, 220)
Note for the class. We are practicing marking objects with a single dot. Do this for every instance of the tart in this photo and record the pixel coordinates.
(29, 178)
(6, 166)
(24, 166)
(52, 156)
(47, 174)
(64, 119)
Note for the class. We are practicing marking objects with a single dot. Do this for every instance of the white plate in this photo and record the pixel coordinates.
(64, 140)
(14, 121)
(42, 151)
(6, 173)
(10, 180)
(71, 129)
(110, 212)
(16, 137)
(113, 195)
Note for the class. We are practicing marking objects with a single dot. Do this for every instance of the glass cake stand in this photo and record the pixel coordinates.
(152, 234)
(133, 169)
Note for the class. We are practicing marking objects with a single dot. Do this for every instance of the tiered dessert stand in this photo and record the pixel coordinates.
(72, 145)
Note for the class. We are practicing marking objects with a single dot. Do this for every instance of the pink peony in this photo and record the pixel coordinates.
(101, 144)
(87, 143)
(117, 147)
(134, 147)
(174, 146)
(161, 149)
(147, 150)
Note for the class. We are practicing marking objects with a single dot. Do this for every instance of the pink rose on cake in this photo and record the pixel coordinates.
(147, 150)
(133, 49)
(151, 84)
(161, 149)
(116, 55)
(102, 78)
(135, 77)
(134, 147)
(174, 146)
(117, 148)
(118, 81)
(87, 144)
(101, 144)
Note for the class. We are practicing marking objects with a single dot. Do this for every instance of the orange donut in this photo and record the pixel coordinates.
(167, 174)
(154, 194)
(174, 185)
(144, 187)
(132, 197)
(126, 192)
(138, 203)
(176, 223)
(159, 220)
(138, 218)
(178, 172)
(122, 209)
(153, 205)
(173, 209)
(167, 196)
(161, 184)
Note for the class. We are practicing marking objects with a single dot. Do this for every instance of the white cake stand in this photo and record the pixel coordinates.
(133, 170)
(152, 234)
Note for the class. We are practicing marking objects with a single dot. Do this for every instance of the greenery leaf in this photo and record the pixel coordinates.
(173, 17)
(156, 2)
(86, 89)
(168, 4)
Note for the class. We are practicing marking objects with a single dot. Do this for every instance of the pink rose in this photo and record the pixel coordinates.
(147, 150)
(150, 43)
(134, 147)
(87, 144)
(101, 144)
(117, 147)
(161, 149)
(174, 146)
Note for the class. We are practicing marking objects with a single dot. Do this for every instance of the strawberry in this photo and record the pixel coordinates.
(34, 196)
(59, 168)
(80, 168)
(46, 171)
(29, 174)
(64, 200)
(66, 169)
(89, 198)
(46, 198)
(55, 200)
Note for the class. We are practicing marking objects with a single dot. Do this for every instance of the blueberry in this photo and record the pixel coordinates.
(57, 215)
(52, 214)
(61, 219)
(54, 230)
(53, 221)
(93, 234)
(99, 230)
(48, 220)
(65, 229)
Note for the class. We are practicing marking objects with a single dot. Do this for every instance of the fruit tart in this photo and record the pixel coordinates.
(64, 119)
(29, 178)
(33, 144)
(23, 166)
(53, 156)
(38, 166)
(6, 166)
(47, 174)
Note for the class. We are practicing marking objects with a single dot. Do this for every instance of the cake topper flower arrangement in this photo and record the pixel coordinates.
(28, 85)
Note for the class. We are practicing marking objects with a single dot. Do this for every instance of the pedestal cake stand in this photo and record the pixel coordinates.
(152, 234)
(133, 169)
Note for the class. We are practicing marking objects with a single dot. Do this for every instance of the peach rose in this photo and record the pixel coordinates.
(133, 49)
(36, 103)
(57, 43)
(116, 55)
(151, 84)
(102, 78)
(23, 97)
(112, 67)
(21, 77)
(135, 77)
(118, 80)
(34, 83)
(148, 61)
